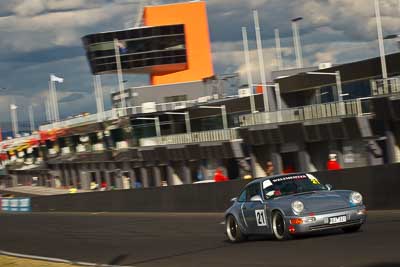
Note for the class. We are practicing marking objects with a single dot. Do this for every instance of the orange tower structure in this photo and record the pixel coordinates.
(193, 15)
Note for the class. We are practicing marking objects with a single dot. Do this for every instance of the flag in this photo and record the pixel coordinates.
(122, 47)
(12, 106)
(54, 78)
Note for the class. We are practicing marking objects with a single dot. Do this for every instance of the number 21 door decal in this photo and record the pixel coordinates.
(260, 218)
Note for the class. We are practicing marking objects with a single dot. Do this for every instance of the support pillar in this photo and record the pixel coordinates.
(66, 175)
(98, 178)
(391, 146)
(85, 180)
(186, 173)
(145, 177)
(119, 184)
(257, 169)
(108, 179)
(132, 175)
(276, 159)
(304, 161)
(172, 176)
(156, 176)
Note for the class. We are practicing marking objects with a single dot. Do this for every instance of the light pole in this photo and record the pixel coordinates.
(98, 92)
(223, 113)
(261, 58)
(380, 40)
(278, 50)
(297, 42)
(248, 69)
(338, 82)
(156, 122)
(187, 119)
(120, 76)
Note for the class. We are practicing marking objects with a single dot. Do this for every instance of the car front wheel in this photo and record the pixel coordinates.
(233, 231)
(279, 228)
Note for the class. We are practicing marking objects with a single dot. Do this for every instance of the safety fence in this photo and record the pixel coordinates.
(378, 185)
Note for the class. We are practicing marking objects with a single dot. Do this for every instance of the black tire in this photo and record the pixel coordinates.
(279, 228)
(233, 231)
(352, 229)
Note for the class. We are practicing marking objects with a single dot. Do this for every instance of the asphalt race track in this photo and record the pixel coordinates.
(143, 239)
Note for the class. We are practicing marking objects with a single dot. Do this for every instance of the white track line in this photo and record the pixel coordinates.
(6, 253)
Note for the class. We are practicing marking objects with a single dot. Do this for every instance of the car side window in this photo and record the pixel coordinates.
(253, 190)
(242, 197)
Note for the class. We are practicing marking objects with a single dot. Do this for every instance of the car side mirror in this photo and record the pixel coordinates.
(256, 198)
(329, 187)
(234, 199)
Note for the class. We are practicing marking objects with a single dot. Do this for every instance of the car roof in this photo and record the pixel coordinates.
(258, 180)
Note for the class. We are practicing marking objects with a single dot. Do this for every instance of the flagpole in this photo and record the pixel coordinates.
(55, 101)
(120, 77)
(50, 103)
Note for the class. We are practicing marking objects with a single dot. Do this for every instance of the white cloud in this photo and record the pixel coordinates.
(63, 28)
(29, 8)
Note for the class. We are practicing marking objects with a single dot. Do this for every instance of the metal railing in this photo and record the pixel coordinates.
(196, 137)
(116, 112)
(70, 122)
(385, 86)
(356, 107)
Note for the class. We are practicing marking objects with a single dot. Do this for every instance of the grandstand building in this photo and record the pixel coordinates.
(181, 127)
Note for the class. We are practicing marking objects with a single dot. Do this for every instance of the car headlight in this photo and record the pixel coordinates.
(297, 206)
(356, 198)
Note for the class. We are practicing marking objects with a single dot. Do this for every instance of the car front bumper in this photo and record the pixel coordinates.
(321, 221)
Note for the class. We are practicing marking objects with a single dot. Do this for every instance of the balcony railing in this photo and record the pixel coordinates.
(385, 86)
(347, 108)
(196, 137)
(116, 112)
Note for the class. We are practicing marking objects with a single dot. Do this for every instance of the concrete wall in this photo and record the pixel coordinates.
(378, 184)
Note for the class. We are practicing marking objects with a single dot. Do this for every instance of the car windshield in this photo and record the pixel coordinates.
(291, 184)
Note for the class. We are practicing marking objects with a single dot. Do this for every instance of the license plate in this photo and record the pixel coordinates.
(338, 219)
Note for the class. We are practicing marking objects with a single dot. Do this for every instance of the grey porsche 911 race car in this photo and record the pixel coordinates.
(292, 204)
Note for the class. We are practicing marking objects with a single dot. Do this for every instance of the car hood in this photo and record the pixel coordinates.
(321, 201)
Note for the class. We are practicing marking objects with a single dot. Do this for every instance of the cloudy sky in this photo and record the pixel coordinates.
(39, 37)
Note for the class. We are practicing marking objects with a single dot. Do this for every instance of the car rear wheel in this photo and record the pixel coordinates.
(233, 231)
(352, 229)
(279, 228)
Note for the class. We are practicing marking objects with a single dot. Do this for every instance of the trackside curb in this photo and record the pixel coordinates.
(57, 260)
